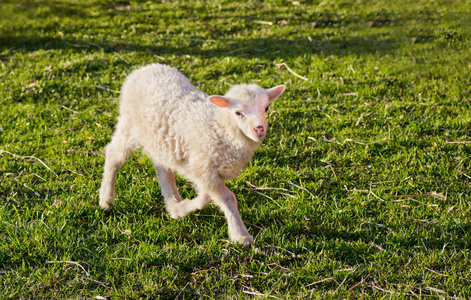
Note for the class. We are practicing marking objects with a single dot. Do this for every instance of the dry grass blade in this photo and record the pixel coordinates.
(69, 109)
(431, 194)
(265, 188)
(30, 157)
(98, 87)
(291, 71)
(371, 192)
(275, 190)
(69, 262)
(359, 283)
(361, 142)
(320, 281)
(257, 293)
(384, 290)
(263, 22)
(303, 188)
(359, 119)
(459, 142)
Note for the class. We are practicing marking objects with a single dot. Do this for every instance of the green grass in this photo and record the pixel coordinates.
(365, 174)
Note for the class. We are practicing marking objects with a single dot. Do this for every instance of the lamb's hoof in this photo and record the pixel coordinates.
(107, 207)
(175, 216)
(245, 241)
(175, 210)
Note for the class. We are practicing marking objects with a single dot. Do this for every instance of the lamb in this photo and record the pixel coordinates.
(207, 139)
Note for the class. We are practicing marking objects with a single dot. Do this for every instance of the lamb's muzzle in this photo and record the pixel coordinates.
(260, 131)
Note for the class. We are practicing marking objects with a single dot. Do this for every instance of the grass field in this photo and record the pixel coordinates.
(360, 190)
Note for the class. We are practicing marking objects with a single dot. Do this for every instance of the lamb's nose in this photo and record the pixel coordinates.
(259, 129)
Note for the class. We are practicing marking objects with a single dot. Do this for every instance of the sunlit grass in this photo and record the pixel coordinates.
(360, 190)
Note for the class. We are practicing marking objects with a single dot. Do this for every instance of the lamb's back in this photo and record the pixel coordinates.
(168, 116)
(152, 84)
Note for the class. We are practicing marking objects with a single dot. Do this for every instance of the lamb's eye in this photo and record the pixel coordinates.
(266, 109)
(238, 113)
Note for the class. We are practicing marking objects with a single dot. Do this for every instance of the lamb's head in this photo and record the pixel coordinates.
(248, 107)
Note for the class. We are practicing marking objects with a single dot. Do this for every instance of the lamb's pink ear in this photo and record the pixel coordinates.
(220, 101)
(275, 92)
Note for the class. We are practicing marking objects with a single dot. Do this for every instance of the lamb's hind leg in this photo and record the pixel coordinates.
(116, 153)
(176, 207)
(188, 206)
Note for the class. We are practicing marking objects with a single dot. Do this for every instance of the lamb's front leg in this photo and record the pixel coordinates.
(228, 203)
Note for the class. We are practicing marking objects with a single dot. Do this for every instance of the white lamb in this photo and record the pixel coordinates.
(207, 139)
